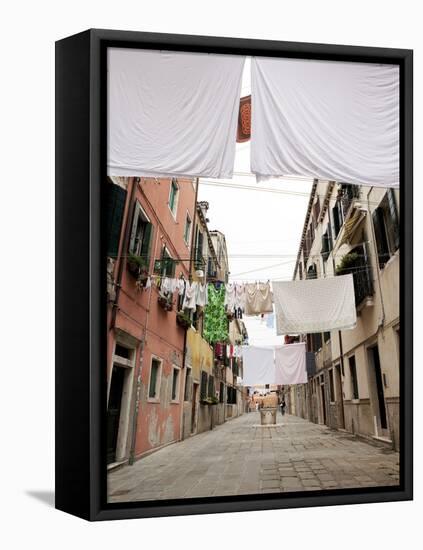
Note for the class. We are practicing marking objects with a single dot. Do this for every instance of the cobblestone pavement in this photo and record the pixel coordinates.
(241, 457)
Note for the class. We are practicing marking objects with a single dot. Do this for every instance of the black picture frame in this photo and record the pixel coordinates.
(80, 265)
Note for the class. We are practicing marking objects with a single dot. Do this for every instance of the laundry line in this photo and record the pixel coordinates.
(219, 183)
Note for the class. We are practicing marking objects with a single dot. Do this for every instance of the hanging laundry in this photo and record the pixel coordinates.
(180, 286)
(172, 113)
(290, 364)
(258, 365)
(190, 297)
(166, 285)
(240, 297)
(258, 299)
(148, 283)
(173, 285)
(202, 294)
(215, 320)
(314, 305)
(270, 320)
(230, 293)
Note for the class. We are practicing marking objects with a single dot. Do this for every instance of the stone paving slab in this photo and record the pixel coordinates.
(240, 457)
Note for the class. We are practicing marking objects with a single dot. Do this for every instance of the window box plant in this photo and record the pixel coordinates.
(210, 400)
(137, 267)
(183, 319)
(165, 301)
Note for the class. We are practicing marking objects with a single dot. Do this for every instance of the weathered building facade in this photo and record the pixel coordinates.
(354, 374)
(148, 232)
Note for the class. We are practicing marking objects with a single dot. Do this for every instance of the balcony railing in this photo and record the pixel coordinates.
(349, 194)
(356, 262)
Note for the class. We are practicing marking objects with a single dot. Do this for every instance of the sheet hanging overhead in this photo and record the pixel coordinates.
(314, 305)
(290, 364)
(325, 119)
(258, 365)
(172, 113)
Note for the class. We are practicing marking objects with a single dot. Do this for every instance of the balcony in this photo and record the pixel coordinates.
(348, 194)
(357, 263)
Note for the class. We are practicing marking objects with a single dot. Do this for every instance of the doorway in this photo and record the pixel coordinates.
(113, 411)
(194, 408)
(377, 393)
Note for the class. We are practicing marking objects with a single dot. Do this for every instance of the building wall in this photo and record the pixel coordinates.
(152, 331)
(377, 323)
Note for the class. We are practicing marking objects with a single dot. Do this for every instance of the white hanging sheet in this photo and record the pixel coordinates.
(325, 119)
(314, 305)
(172, 113)
(258, 365)
(290, 364)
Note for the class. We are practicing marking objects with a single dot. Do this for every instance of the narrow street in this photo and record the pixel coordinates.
(241, 457)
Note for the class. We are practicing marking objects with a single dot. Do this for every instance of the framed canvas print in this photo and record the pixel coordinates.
(234, 274)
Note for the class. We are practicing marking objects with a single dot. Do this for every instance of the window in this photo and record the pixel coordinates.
(231, 395)
(141, 233)
(312, 272)
(173, 196)
(337, 218)
(187, 231)
(222, 392)
(332, 385)
(166, 265)
(386, 226)
(175, 384)
(115, 204)
(353, 376)
(326, 245)
(155, 375)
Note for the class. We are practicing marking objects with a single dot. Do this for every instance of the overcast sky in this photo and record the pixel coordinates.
(262, 228)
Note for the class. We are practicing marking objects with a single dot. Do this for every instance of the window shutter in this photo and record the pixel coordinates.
(381, 241)
(115, 205)
(394, 218)
(146, 243)
(137, 212)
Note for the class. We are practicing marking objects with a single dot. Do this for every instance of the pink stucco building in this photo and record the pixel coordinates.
(149, 231)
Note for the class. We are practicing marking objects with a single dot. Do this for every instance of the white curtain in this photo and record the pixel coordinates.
(290, 364)
(324, 119)
(314, 305)
(172, 113)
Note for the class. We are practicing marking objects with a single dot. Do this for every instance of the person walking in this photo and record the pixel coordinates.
(282, 406)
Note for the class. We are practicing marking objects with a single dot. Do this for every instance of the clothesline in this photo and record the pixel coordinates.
(219, 183)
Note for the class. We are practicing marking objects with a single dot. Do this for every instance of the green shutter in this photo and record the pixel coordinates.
(115, 205)
(381, 241)
(394, 218)
(146, 243)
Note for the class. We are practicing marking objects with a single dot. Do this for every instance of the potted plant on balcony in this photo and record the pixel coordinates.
(347, 262)
(138, 267)
(165, 300)
(183, 319)
(213, 400)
